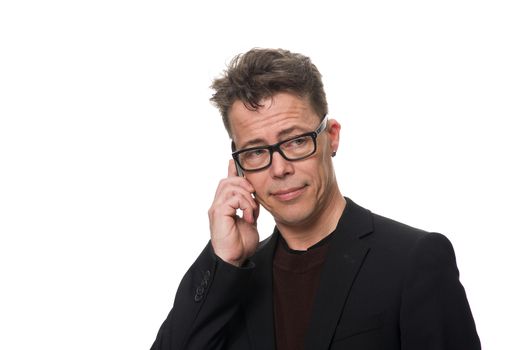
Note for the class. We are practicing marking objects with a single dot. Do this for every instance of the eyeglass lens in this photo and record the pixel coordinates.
(294, 149)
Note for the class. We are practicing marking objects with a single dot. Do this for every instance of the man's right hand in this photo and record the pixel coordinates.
(234, 238)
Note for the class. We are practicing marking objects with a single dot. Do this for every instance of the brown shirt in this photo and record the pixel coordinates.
(296, 276)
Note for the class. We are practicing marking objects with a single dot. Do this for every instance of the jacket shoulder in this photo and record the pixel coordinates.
(384, 224)
(394, 235)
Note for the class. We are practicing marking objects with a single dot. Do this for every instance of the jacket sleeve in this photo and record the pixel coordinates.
(206, 300)
(435, 313)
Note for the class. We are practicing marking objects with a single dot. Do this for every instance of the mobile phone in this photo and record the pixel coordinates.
(239, 170)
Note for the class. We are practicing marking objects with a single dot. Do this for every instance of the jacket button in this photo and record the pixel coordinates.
(207, 275)
(199, 291)
(198, 298)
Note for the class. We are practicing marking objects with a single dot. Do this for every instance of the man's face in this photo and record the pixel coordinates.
(295, 193)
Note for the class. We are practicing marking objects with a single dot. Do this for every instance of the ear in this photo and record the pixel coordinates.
(333, 129)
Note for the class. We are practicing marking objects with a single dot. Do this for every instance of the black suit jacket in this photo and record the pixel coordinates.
(384, 285)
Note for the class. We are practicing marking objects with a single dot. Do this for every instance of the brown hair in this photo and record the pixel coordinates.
(261, 73)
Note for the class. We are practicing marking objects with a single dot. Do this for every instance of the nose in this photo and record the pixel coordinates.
(280, 167)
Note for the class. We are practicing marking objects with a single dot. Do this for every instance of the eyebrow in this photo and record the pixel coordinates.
(281, 134)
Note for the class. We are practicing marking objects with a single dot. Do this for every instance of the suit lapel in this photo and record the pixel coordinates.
(345, 257)
(259, 311)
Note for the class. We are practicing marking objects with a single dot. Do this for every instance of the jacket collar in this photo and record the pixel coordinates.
(346, 254)
(259, 311)
(344, 258)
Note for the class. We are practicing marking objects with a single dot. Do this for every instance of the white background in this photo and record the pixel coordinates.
(110, 151)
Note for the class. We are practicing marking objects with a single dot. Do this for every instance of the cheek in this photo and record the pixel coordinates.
(322, 174)
(258, 181)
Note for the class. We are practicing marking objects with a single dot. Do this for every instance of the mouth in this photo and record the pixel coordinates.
(289, 193)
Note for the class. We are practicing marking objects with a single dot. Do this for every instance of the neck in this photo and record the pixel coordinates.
(323, 223)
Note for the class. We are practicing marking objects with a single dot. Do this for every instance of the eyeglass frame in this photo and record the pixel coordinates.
(276, 147)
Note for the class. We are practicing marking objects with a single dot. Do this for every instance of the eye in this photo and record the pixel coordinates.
(300, 141)
(255, 153)
(297, 142)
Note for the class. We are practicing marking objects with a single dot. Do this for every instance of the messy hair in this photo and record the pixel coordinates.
(261, 73)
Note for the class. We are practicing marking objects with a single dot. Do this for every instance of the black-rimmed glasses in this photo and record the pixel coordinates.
(296, 148)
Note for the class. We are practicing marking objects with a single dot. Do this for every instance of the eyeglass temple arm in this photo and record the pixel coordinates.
(318, 130)
(323, 125)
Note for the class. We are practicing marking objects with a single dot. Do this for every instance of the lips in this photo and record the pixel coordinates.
(289, 193)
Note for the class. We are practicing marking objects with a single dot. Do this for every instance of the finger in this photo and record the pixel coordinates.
(244, 183)
(228, 206)
(249, 215)
(240, 202)
(253, 203)
(237, 191)
(226, 186)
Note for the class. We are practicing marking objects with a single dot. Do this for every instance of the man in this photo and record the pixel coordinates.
(333, 275)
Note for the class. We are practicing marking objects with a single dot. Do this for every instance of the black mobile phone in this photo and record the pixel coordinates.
(239, 170)
(242, 174)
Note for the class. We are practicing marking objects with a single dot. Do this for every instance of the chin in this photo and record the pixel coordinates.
(292, 215)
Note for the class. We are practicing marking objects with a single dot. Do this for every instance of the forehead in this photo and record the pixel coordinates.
(281, 112)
